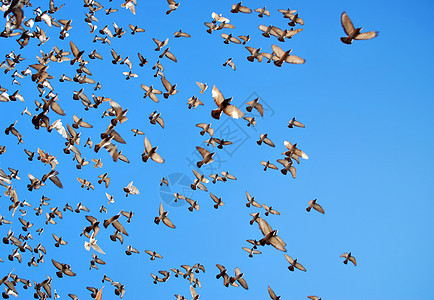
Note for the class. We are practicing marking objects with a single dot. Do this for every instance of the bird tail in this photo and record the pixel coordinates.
(346, 40)
(278, 63)
(215, 113)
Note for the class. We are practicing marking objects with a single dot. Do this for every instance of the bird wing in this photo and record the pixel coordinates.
(221, 268)
(233, 111)
(197, 174)
(235, 40)
(160, 121)
(166, 84)
(272, 294)
(148, 145)
(244, 9)
(293, 59)
(202, 151)
(217, 95)
(300, 267)
(289, 259)
(278, 243)
(119, 227)
(276, 31)
(260, 109)
(97, 248)
(273, 211)
(74, 48)
(216, 200)
(278, 51)
(268, 142)
(256, 204)
(318, 208)
(264, 226)
(200, 85)
(57, 109)
(347, 25)
(193, 292)
(243, 283)
(170, 56)
(366, 35)
(169, 223)
(157, 158)
(161, 209)
(272, 166)
(57, 264)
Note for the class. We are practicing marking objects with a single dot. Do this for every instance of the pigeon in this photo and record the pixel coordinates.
(354, 33)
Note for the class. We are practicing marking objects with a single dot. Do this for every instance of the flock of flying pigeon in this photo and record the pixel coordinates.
(30, 25)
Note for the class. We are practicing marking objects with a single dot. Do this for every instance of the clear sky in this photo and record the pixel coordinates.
(368, 110)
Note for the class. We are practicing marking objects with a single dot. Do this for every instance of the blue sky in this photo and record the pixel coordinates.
(368, 112)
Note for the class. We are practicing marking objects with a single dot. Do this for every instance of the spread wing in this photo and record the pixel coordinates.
(202, 151)
(347, 24)
(278, 243)
(272, 294)
(293, 59)
(300, 267)
(318, 208)
(170, 56)
(366, 35)
(233, 111)
(196, 173)
(169, 223)
(264, 226)
(217, 95)
(157, 158)
(243, 283)
(57, 264)
(166, 84)
(74, 48)
(148, 145)
(277, 50)
(214, 198)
